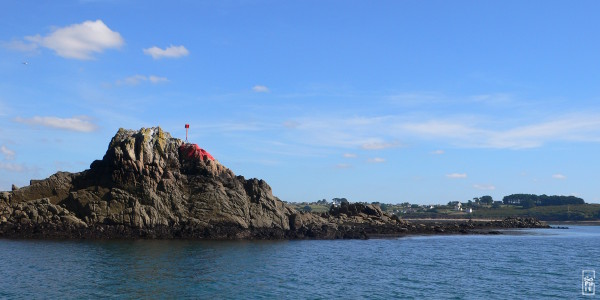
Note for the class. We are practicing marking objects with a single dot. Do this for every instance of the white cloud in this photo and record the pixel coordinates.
(156, 79)
(20, 45)
(472, 134)
(559, 176)
(137, 79)
(456, 175)
(8, 154)
(260, 89)
(132, 80)
(12, 167)
(343, 166)
(349, 155)
(376, 160)
(379, 145)
(328, 131)
(485, 187)
(438, 152)
(81, 124)
(78, 41)
(388, 131)
(169, 52)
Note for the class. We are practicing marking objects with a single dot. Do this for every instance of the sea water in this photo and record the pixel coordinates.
(524, 264)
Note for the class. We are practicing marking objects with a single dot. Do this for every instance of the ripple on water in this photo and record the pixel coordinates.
(546, 264)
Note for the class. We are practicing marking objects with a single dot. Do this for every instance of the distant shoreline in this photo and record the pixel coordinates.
(582, 223)
(447, 220)
(450, 219)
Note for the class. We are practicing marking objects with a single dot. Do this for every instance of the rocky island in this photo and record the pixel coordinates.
(151, 185)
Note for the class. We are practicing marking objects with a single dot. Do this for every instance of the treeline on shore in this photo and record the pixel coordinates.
(579, 212)
(530, 200)
(543, 207)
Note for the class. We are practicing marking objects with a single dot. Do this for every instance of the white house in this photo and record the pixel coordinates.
(458, 207)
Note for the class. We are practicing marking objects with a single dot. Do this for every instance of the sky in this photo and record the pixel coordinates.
(391, 101)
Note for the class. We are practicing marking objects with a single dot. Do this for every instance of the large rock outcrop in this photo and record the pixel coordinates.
(151, 185)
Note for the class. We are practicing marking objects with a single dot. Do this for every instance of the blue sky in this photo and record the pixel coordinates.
(390, 101)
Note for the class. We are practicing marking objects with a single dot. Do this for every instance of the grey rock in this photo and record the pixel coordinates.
(73, 221)
(146, 184)
(151, 185)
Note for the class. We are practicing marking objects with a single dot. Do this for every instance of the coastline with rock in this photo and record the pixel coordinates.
(151, 185)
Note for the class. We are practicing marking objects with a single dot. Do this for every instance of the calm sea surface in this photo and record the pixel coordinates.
(538, 263)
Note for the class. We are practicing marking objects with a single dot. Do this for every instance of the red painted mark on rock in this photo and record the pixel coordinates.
(193, 150)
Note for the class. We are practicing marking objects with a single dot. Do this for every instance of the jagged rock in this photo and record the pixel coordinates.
(151, 185)
(373, 210)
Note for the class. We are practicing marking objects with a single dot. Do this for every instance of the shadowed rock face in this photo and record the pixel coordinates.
(148, 185)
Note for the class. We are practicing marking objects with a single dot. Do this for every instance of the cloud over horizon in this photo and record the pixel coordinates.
(379, 145)
(79, 124)
(8, 154)
(77, 41)
(12, 167)
(137, 79)
(484, 187)
(375, 132)
(456, 175)
(343, 166)
(260, 89)
(169, 52)
(470, 134)
(376, 160)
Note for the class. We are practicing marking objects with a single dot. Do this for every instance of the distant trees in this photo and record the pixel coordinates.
(322, 202)
(528, 203)
(452, 203)
(531, 200)
(307, 208)
(486, 200)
